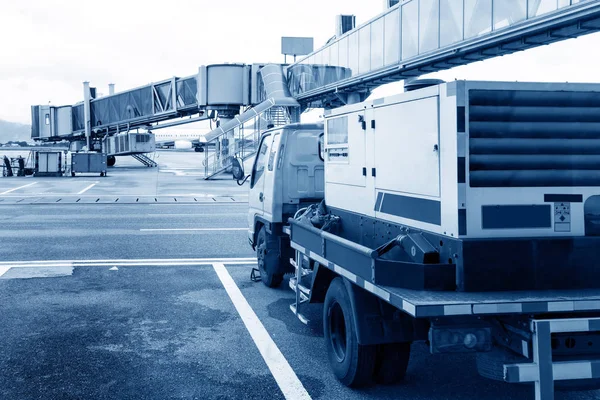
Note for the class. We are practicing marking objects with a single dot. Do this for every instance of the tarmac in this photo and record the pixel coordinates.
(137, 286)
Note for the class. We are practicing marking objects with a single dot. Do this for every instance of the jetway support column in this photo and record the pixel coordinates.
(226, 142)
(86, 113)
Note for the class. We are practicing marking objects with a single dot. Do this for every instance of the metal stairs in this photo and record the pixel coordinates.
(303, 275)
(144, 159)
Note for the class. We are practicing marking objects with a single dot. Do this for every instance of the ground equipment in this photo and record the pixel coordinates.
(463, 214)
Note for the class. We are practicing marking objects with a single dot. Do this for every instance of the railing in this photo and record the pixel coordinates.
(241, 141)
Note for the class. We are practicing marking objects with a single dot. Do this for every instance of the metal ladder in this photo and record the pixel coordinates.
(144, 159)
(302, 292)
(543, 371)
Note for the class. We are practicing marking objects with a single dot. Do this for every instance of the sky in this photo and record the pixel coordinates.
(48, 48)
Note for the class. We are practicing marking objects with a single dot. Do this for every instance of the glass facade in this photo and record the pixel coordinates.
(509, 12)
(539, 7)
(364, 50)
(451, 22)
(391, 51)
(478, 17)
(377, 44)
(409, 30)
(429, 25)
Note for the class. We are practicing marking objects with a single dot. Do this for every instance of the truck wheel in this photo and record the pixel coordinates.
(353, 364)
(111, 161)
(268, 264)
(391, 362)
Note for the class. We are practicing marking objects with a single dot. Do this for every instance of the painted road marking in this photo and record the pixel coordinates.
(88, 188)
(3, 270)
(144, 196)
(17, 188)
(197, 215)
(133, 262)
(192, 229)
(214, 203)
(125, 264)
(284, 375)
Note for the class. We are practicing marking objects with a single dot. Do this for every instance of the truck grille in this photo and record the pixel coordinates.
(523, 138)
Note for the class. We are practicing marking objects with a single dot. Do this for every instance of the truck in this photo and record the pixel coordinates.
(463, 214)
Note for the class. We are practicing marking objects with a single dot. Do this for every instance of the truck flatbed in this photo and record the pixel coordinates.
(429, 303)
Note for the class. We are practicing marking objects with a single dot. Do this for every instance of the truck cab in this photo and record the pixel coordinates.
(287, 174)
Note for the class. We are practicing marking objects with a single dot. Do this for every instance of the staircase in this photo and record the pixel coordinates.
(144, 159)
(245, 141)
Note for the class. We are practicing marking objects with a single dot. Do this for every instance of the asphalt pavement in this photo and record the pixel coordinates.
(151, 298)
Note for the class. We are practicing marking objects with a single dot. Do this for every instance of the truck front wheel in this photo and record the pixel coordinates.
(352, 363)
(268, 261)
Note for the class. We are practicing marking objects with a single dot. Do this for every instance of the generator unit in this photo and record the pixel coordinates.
(48, 163)
(129, 143)
(496, 176)
(88, 162)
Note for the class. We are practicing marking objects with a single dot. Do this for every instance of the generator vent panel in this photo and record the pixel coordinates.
(525, 138)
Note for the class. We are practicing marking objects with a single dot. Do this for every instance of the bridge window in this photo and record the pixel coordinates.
(377, 45)
(509, 12)
(478, 17)
(364, 50)
(539, 7)
(392, 33)
(410, 29)
(343, 54)
(353, 53)
(429, 18)
(451, 22)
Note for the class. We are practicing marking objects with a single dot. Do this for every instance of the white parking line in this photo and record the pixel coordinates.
(197, 215)
(284, 375)
(142, 261)
(88, 188)
(193, 229)
(17, 188)
(214, 203)
(3, 270)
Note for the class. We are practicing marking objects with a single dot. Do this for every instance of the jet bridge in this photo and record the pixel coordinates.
(416, 37)
(412, 38)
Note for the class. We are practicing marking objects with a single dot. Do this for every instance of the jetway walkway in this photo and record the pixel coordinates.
(422, 36)
(408, 40)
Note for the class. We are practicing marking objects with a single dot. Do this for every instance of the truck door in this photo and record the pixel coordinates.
(257, 182)
(272, 189)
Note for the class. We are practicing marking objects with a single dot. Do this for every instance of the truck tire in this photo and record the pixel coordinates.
(391, 362)
(111, 161)
(491, 364)
(353, 364)
(268, 264)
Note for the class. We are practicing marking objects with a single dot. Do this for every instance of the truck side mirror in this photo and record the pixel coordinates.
(237, 168)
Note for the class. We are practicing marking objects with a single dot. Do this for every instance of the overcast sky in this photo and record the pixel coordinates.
(49, 47)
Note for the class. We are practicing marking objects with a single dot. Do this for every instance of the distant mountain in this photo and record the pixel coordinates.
(15, 132)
